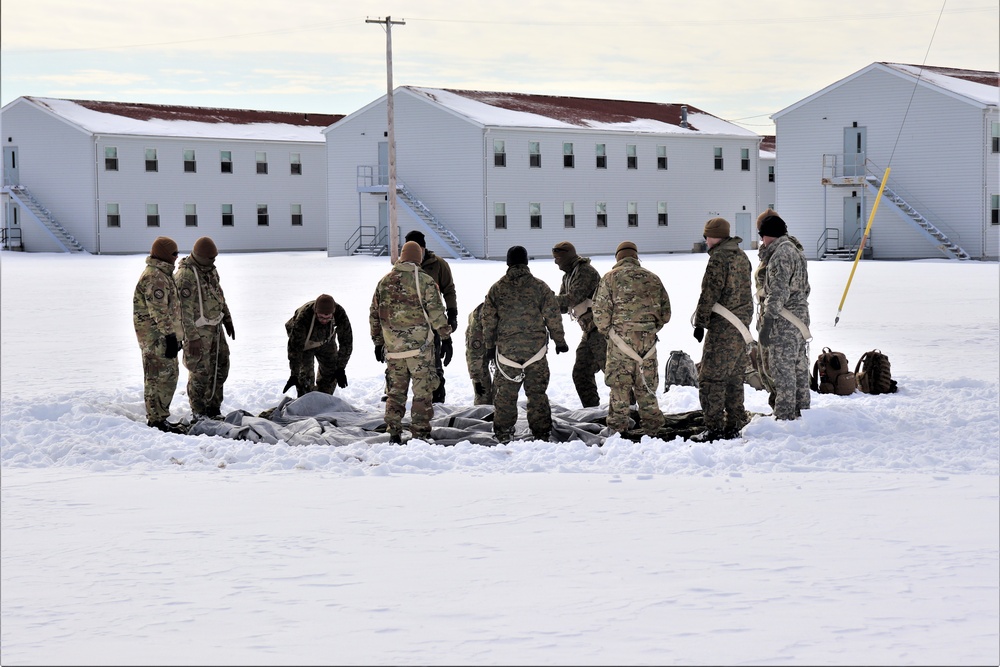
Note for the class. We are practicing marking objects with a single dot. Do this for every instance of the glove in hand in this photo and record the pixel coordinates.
(491, 354)
(341, 376)
(289, 384)
(230, 330)
(765, 331)
(562, 347)
(172, 347)
(699, 333)
(380, 353)
(479, 388)
(447, 351)
(453, 318)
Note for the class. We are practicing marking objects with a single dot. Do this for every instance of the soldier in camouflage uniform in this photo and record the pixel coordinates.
(438, 269)
(206, 315)
(405, 313)
(475, 358)
(630, 307)
(782, 282)
(319, 333)
(159, 328)
(520, 314)
(575, 297)
(724, 357)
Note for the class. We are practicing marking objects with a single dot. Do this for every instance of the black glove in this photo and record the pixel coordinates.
(699, 333)
(447, 351)
(491, 354)
(453, 319)
(341, 376)
(228, 324)
(765, 331)
(479, 388)
(562, 347)
(290, 384)
(380, 353)
(172, 347)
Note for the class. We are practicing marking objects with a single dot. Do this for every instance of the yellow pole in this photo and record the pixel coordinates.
(864, 240)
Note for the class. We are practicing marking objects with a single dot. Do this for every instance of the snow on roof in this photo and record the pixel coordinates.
(768, 146)
(498, 109)
(178, 121)
(975, 84)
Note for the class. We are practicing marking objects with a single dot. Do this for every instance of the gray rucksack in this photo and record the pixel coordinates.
(680, 370)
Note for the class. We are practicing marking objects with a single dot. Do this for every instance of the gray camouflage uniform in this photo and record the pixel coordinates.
(404, 300)
(206, 352)
(313, 343)
(156, 313)
(782, 281)
(519, 316)
(724, 357)
(578, 285)
(632, 301)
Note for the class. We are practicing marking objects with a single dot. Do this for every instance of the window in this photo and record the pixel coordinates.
(535, 215)
(261, 162)
(996, 137)
(602, 214)
(499, 153)
(661, 157)
(661, 214)
(568, 155)
(296, 164)
(114, 218)
(296, 215)
(995, 209)
(499, 215)
(718, 158)
(602, 156)
(262, 219)
(534, 154)
(111, 158)
(152, 215)
(191, 215)
(770, 174)
(633, 214)
(152, 164)
(228, 220)
(226, 162)
(631, 158)
(190, 165)
(569, 217)
(744, 159)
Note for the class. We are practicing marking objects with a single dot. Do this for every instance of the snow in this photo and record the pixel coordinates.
(868, 532)
(980, 92)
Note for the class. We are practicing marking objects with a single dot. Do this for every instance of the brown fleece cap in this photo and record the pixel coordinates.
(412, 252)
(626, 249)
(164, 248)
(205, 248)
(324, 304)
(716, 228)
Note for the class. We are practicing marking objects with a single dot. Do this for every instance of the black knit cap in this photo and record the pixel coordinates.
(772, 225)
(517, 255)
(418, 236)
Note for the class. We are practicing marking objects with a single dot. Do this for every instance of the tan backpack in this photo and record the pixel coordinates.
(832, 374)
(874, 373)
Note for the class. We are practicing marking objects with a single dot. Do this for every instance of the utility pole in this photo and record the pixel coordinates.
(391, 190)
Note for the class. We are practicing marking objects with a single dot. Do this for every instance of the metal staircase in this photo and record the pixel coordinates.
(44, 217)
(937, 237)
(423, 215)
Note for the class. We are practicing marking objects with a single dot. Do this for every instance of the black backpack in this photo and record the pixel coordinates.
(874, 373)
(832, 374)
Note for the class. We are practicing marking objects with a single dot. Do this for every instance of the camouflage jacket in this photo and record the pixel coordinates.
(782, 279)
(156, 307)
(305, 332)
(202, 302)
(630, 298)
(439, 270)
(397, 316)
(475, 350)
(579, 284)
(726, 282)
(520, 313)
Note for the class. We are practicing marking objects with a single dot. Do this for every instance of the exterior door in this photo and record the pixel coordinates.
(383, 221)
(10, 173)
(853, 227)
(743, 229)
(855, 144)
(383, 163)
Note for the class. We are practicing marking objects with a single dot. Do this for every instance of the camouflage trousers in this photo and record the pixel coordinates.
(720, 381)
(623, 376)
(207, 370)
(305, 373)
(399, 374)
(536, 382)
(591, 355)
(786, 360)
(159, 381)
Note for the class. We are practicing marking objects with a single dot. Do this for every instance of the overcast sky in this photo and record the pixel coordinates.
(742, 61)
